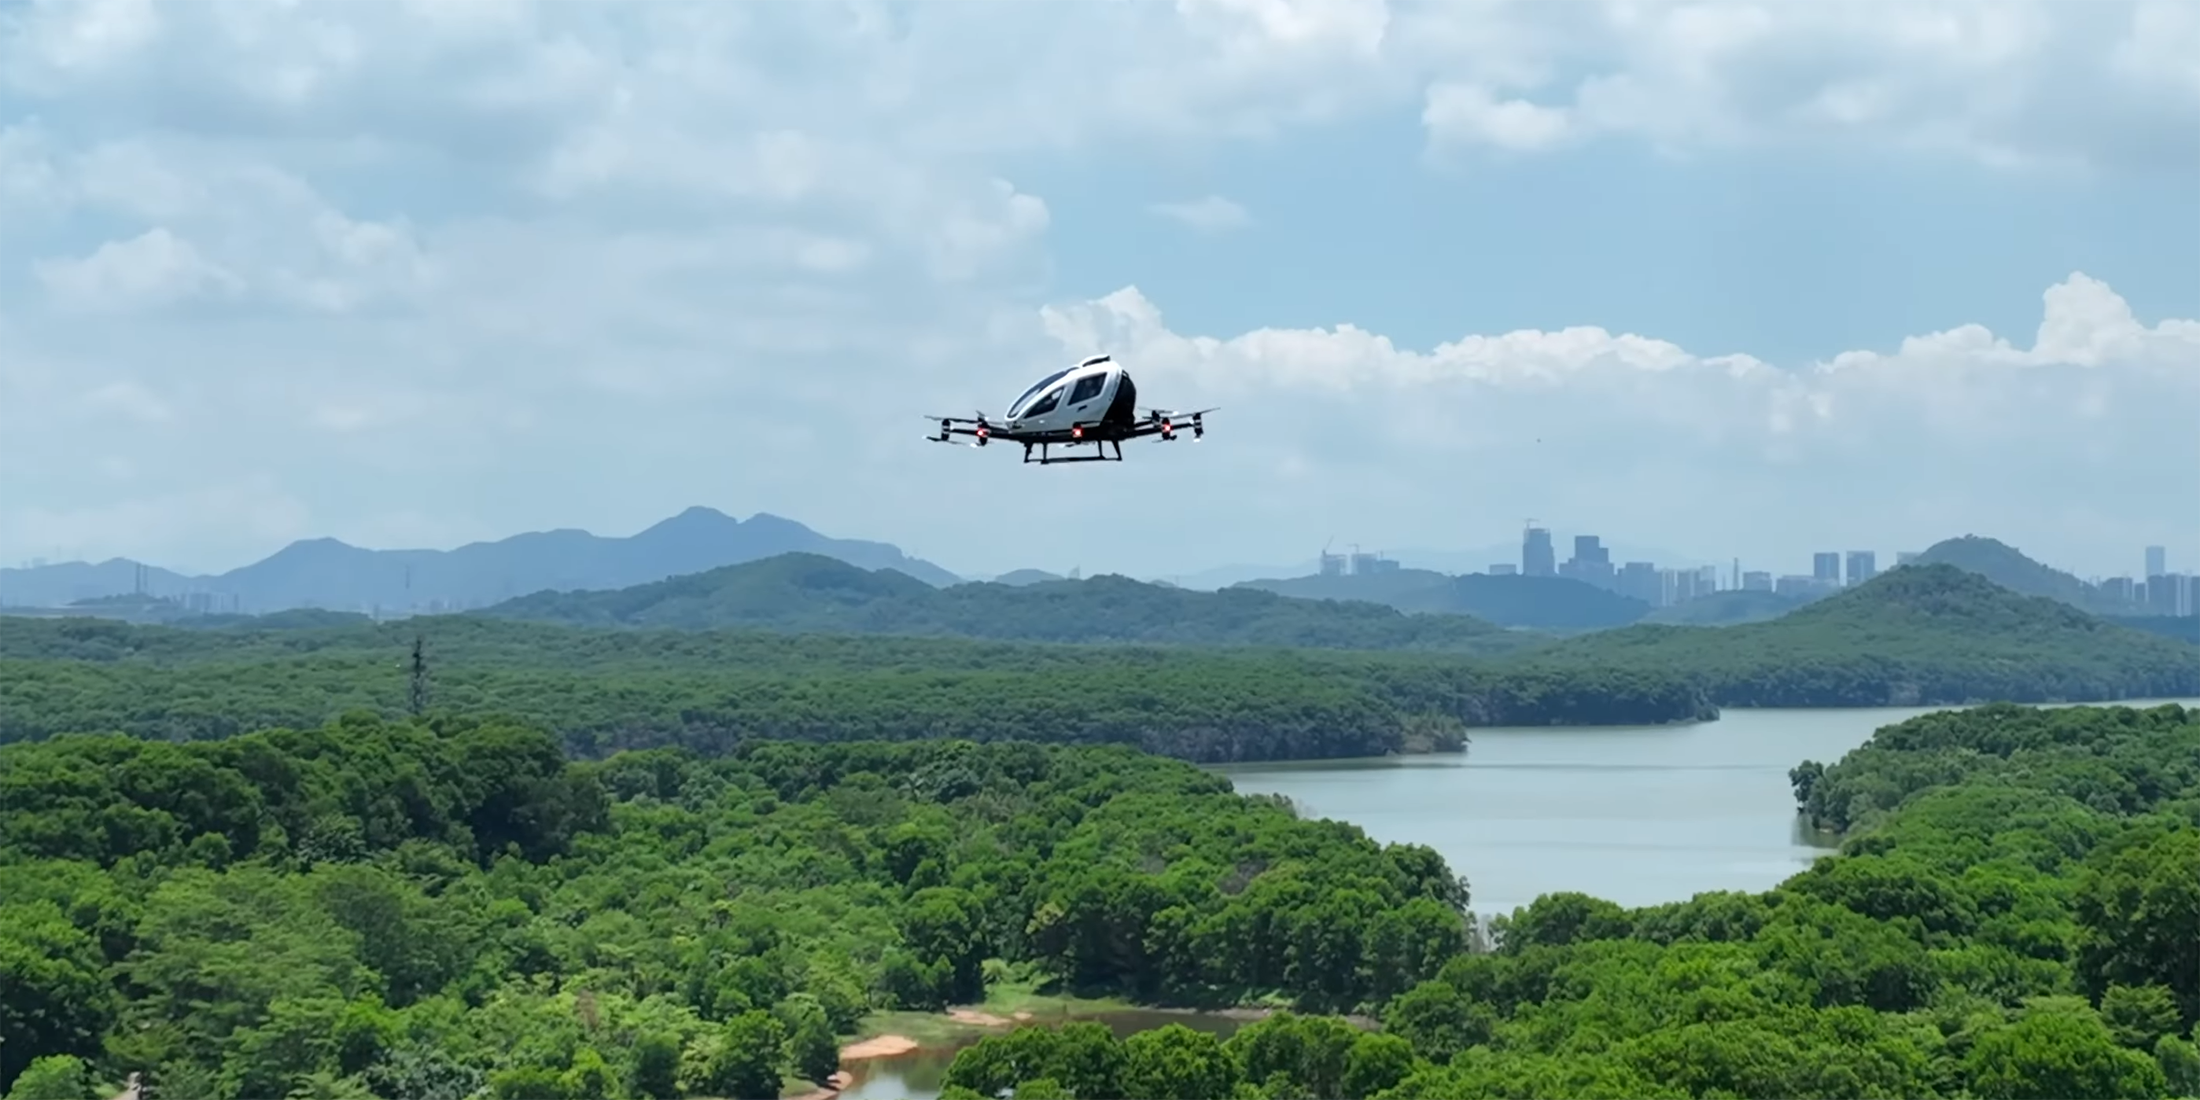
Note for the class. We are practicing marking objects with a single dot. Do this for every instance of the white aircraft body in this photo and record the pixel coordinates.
(1093, 403)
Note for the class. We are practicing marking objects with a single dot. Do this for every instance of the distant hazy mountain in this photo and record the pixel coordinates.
(1918, 635)
(331, 574)
(1542, 603)
(1729, 608)
(70, 581)
(1017, 578)
(1223, 576)
(810, 593)
(2004, 565)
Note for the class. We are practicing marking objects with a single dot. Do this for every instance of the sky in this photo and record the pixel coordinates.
(1738, 280)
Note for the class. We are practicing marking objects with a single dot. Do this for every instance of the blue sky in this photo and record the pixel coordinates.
(1729, 279)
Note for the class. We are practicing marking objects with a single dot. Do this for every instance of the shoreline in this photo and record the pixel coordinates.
(961, 1021)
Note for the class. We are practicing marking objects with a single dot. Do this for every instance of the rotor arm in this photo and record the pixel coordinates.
(1167, 422)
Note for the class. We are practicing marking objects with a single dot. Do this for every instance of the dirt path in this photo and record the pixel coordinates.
(884, 1046)
(878, 1046)
(979, 1018)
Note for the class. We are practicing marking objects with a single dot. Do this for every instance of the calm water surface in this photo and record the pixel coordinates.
(1638, 815)
(917, 1074)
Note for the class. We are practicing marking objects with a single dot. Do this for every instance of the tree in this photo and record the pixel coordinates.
(53, 1077)
(1177, 1063)
(524, 1083)
(2138, 907)
(746, 1063)
(655, 1071)
(812, 1048)
(56, 1002)
(2059, 1056)
(2139, 1016)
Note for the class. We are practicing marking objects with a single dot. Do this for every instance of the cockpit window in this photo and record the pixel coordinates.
(1018, 409)
(1087, 388)
(1044, 405)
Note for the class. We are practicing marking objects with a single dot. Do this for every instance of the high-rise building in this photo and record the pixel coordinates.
(1757, 581)
(1682, 585)
(1592, 562)
(1825, 567)
(2162, 594)
(1537, 558)
(1905, 557)
(2157, 561)
(1640, 580)
(1863, 566)
(1503, 569)
(1796, 584)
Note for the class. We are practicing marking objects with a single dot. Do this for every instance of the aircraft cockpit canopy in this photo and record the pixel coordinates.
(1018, 409)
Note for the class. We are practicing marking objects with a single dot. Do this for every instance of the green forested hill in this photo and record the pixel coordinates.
(2008, 567)
(1729, 608)
(427, 912)
(2184, 628)
(806, 592)
(2015, 921)
(1914, 635)
(1538, 603)
(604, 690)
(377, 909)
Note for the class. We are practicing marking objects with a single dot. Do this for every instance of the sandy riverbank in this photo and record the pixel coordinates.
(893, 1046)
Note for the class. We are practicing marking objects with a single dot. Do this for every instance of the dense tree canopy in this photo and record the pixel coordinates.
(1917, 635)
(811, 592)
(2016, 919)
(695, 861)
(394, 905)
(608, 690)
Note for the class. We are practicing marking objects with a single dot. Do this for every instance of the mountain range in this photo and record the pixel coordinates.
(1916, 635)
(812, 593)
(327, 573)
(1540, 603)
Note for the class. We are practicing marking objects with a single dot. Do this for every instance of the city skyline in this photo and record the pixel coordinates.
(1536, 554)
(2158, 589)
(2170, 593)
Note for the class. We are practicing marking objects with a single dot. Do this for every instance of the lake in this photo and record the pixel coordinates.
(917, 1074)
(1636, 814)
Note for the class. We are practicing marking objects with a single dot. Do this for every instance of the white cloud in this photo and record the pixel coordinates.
(1212, 214)
(1991, 431)
(153, 268)
(2003, 82)
(343, 259)
(1466, 114)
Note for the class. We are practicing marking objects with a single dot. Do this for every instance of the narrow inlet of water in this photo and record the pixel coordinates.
(1637, 815)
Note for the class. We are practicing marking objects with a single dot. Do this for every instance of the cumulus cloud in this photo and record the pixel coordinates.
(1212, 214)
(1986, 429)
(309, 268)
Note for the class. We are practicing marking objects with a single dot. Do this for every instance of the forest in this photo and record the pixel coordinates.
(1914, 636)
(415, 909)
(452, 908)
(813, 593)
(606, 690)
(2011, 917)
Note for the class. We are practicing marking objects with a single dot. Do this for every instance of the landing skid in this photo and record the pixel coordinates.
(1099, 447)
